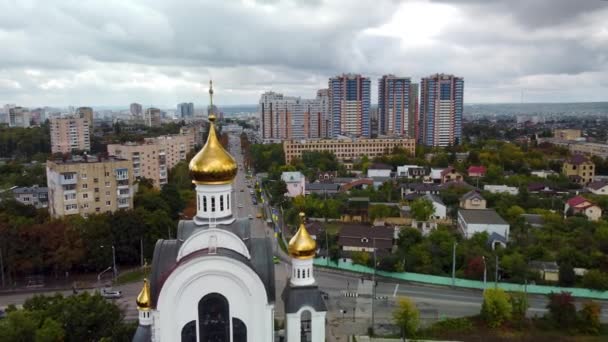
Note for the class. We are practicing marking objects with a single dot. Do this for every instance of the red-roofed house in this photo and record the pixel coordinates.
(450, 175)
(477, 171)
(581, 205)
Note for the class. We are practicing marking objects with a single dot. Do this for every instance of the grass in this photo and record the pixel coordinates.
(130, 276)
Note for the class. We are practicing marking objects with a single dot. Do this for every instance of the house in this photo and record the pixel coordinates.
(461, 156)
(547, 270)
(540, 188)
(418, 189)
(440, 209)
(495, 240)
(35, 195)
(435, 175)
(411, 171)
(598, 187)
(296, 183)
(357, 210)
(543, 173)
(500, 189)
(379, 170)
(471, 221)
(450, 175)
(579, 169)
(322, 188)
(581, 205)
(378, 181)
(315, 228)
(326, 176)
(534, 220)
(472, 200)
(364, 238)
(359, 183)
(476, 171)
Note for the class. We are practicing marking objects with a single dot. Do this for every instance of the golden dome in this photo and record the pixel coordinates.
(144, 300)
(212, 164)
(302, 245)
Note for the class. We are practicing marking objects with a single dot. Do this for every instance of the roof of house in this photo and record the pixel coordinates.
(578, 159)
(420, 187)
(380, 166)
(455, 184)
(533, 219)
(544, 265)
(357, 235)
(292, 176)
(314, 228)
(449, 169)
(577, 200)
(344, 180)
(471, 194)
(596, 185)
(481, 216)
(477, 169)
(537, 186)
(495, 237)
(322, 186)
(434, 198)
(29, 190)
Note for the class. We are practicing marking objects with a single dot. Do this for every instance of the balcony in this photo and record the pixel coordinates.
(68, 178)
(122, 174)
(123, 193)
(123, 203)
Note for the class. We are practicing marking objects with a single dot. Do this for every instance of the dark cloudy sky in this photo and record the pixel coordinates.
(113, 52)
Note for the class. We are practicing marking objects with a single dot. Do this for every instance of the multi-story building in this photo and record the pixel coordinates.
(89, 185)
(413, 114)
(154, 157)
(567, 134)
(347, 149)
(349, 96)
(19, 117)
(395, 110)
(185, 110)
(70, 134)
(582, 147)
(152, 117)
(579, 169)
(136, 109)
(34, 195)
(86, 113)
(276, 111)
(441, 99)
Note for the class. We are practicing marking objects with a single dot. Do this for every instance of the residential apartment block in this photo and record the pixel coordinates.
(34, 195)
(349, 96)
(19, 117)
(185, 110)
(396, 106)
(441, 106)
(347, 149)
(89, 185)
(152, 117)
(70, 134)
(86, 113)
(136, 109)
(154, 157)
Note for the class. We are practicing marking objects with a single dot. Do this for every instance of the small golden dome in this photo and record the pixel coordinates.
(144, 300)
(302, 245)
(212, 164)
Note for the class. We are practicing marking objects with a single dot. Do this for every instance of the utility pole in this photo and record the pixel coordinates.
(496, 274)
(454, 264)
(485, 271)
(114, 262)
(2, 267)
(141, 251)
(373, 284)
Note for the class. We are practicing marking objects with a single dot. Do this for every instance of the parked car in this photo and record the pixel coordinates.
(109, 293)
(250, 217)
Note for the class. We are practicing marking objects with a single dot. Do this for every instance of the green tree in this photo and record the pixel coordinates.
(361, 258)
(422, 209)
(596, 280)
(496, 307)
(519, 305)
(567, 277)
(51, 331)
(19, 326)
(561, 309)
(407, 317)
(589, 321)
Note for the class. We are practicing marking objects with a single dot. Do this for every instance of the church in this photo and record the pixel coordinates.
(216, 282)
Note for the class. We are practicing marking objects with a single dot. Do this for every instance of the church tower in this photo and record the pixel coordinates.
(144, 330)
(212, 170)
(305, 309)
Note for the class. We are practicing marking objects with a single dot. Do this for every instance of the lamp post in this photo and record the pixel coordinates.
(114, 269)
(454, 264)
(484, 271)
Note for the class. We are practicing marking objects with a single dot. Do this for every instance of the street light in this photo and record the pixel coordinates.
(484, 271)
(114, 269)
(454, 264)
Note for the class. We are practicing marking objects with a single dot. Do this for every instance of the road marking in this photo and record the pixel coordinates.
(396, 289)
(350, 294)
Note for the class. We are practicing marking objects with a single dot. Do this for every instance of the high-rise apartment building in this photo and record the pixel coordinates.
(441, 99)
(70, 134)
(154, 157)
(185, 110)
(394, 105)
(413, 114)
(19, 117)
(350, 105)
(136, 109)
(89, 185)
(152, 117)
(86, 113)
(317, 118)
(276, 113)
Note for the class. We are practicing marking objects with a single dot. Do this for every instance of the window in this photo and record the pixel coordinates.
(221, 203)
(71, 207)
(214, 317)
(213, 204)
(228, 201)
(85, 196)
(84, 176)
(107, 193)
(69, 197)
(96, 199)
(108, 203)
(96, 189)
(107, 184)
(97, 209)
(205, 204)
(189, 332)
(95, 180)
(85, 186)
(107, 174)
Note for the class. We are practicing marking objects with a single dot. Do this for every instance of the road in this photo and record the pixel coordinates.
(434, 302)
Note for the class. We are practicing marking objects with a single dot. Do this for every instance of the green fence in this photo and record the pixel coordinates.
(465, 283)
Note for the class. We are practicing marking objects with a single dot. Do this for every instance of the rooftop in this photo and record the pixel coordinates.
(87, 159)
(481, 216)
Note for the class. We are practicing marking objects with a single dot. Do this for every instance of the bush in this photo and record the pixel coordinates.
(519, 305)
(459, 325)
(589, 320)
(361, 258)
(562, 311)
(596, 280)
(406, 316)
(496, 308)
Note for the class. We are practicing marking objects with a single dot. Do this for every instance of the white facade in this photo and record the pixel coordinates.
(440, 210)
(378, 173)
(213, 204)
(403, 171)
(600, 191)
(497, 189)
(293, 325)
(543, 173)
(296, 183)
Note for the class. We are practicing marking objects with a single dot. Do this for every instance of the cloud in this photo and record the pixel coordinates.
(161, 52)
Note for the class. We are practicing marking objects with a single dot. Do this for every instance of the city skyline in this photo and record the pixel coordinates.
(158, 58)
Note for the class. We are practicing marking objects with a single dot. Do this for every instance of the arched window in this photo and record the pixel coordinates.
(213, 204)
(205, 204)
(214, 318)
(239, 330)
(221, 203)
(298, 274)
(305, 327)
(189, 332)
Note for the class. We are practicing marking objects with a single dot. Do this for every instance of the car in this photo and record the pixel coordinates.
(109, 293)
(242, 190)
(275, 259)
(240, 205)
(258, 215)
(250, 217)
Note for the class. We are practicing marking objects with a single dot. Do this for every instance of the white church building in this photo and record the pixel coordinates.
(215, 282)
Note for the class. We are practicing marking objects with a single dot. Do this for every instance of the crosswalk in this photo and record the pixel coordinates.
(350, 294)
